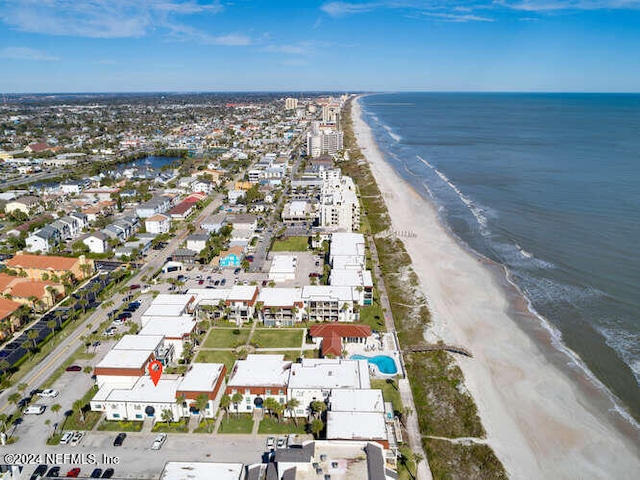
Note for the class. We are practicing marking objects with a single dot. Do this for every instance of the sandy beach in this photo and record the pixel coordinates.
(541, 420)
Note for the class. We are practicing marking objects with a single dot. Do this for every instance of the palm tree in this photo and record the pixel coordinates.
(33, 336)
(236, 399)
(316, 427)
(278, 409)
(292, 404)
(79, 406)
(317, 408)
(417, 458)
(167, 416)
(22, 387)
(225, 403)
(51, 325)
(180, 401)
(26, 345)
(3, 421)
(14, 398)
(4, 366)
(55, 408)
(201, 404)
(270, 405)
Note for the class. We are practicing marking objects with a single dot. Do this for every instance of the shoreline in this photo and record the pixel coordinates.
(540, 421)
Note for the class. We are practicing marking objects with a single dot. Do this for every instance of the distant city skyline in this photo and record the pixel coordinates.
(390, 45)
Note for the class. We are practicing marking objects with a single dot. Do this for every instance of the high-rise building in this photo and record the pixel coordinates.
(331, 114)
(339, 206)
(291, 103)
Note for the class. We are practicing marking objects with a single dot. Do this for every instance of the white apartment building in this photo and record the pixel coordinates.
(339, 205)
(158, 223)
(290, 103)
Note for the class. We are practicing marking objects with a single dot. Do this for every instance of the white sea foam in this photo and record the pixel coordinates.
(477, 211)
(391, 133)
(523, 252)
(626, 344)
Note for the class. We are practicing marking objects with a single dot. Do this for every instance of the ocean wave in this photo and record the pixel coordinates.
(391, 133)
(477, 211)
(626, 344)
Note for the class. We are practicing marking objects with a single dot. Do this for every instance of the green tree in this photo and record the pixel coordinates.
(56, 407)
(225, 403)
(318, 408)
(3, 422)
(33, 336)
(201, 403)
(292, 404)
(78, 406)
(237, 399)
(14, 398)
(167, 416)
(316, 427)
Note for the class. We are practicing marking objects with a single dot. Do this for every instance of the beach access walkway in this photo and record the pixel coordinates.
(411, 419)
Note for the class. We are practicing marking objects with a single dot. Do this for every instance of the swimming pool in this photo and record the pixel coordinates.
(385, 364)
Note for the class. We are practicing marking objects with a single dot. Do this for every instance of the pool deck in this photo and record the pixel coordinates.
(377, 344)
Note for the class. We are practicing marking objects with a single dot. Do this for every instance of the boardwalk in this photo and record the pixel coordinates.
(439, 346)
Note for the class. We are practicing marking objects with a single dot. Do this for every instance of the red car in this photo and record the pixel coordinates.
(135, 286)
(73, 473)
(200, 282)
(74, 368)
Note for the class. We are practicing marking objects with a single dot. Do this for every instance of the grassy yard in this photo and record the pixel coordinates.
(206, 426)
(271, 426)
(290, 355)
(74, 422)
(390, 393)
(226, 338)
(174, 427)
(311, 354)
(242, 423)
(210, 356)
(277, 338)
(120, 426)
(291, 244)
(374, 317)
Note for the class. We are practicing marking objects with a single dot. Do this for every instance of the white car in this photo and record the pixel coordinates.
(159, 441)
(75, 440)
(66, 438)
(49, 393)
(34, 410)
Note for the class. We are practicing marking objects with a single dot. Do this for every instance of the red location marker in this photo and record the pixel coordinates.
(155, 371)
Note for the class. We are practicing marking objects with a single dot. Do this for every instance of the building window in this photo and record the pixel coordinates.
(247, 391)
(116, 415)
(267, 391)
(138, 415)
(137, 407)
(281, 392)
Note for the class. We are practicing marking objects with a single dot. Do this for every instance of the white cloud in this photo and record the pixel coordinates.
(99, 18)
(458, 18)
(339, 9)
(289, 49)
(551, 5)
(23, 53)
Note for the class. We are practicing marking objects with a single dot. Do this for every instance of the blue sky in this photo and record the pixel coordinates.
(204, 45)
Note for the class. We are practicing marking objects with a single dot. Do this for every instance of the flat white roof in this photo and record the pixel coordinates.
(279, 297)
(124, 359)
(350, 277)
(201, 377)
(298, 207)
(260, 370)
(283, 264)
(144, 391)
(202, 471)
(170, 327)
(160, 310)
(242, 293)
(169, 299)
(327, 293)
(356, 400)
(139, 342)
(330, 373)
(209, 295)
(344, 243)
(356, 426)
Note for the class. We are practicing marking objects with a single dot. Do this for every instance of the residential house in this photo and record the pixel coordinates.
(35, 266)
(97, 242)
(334, 336)
(327, 303)
(29, 205)
(213, 223)
(257, 378)
(279, 306)
(36, 293)
(44, 239)
(158, 223)
(9, 321)
(230, 258)
(197, 242)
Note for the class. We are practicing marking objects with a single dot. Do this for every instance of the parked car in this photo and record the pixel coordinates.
(223, 281)
(75, 440)
(66, 438)
(125, 315)
(97, 472)
(271, 441)
(49, 393)
(36, 391)
(73, 473)
(119, 440)
(216, 283)
(135, 286)
(237, 271)
(159, 441)
(53, 472)
(108, 473)
(39, 472)
(109, 332)
(281, 442)
(34, 410)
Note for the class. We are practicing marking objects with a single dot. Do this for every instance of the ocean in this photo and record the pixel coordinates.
(547, 185)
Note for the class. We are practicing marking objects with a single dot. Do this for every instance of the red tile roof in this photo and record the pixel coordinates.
(181, 208)
(333, 333)
(42, 262)
(342, 329)
(7, 307)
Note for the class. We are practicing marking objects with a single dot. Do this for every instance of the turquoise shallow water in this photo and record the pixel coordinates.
(547, 185)
(385, 364)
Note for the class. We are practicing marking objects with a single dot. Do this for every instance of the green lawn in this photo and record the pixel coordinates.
(271, 426)
(226, 338)
(120, 426)
(74, 422)
(311, 353)
(210, 356)
(290, 355)
(206, 426)
(374, 317)
(174, 427)
(242, 423)
(277, 338)
(389, 393)
(291, 244)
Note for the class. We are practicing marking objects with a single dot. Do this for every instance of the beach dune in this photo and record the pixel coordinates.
(543, 418)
